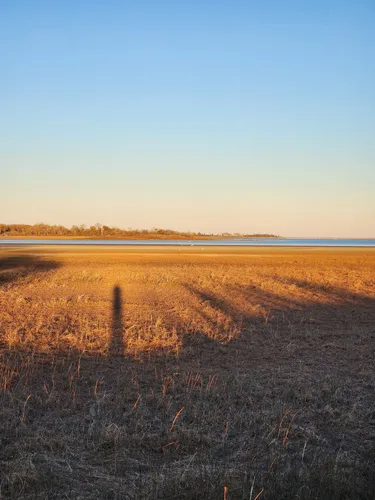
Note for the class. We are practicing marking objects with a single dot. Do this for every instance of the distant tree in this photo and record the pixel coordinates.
(42, 229)
(99, 228)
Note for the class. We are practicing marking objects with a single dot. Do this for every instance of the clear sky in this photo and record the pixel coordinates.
(248, 116)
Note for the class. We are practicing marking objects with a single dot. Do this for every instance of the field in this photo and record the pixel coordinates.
(166, 373)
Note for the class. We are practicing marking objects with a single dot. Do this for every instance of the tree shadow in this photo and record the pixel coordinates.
(251, 310)
(330, 293)
(17, 267)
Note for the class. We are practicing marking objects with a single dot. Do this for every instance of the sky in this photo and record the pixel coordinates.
(239, 116)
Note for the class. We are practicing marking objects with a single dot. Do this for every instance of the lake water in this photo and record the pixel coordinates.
(250, 242)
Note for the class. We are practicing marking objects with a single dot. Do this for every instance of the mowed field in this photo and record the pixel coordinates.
(192, 373)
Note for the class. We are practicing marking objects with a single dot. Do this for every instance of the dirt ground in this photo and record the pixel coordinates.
(187, 373)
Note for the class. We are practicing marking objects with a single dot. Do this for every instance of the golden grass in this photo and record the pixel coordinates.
(167, 373)
(64, 300)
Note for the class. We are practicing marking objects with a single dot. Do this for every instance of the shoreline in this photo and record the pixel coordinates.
(82, 239)
(174, 250)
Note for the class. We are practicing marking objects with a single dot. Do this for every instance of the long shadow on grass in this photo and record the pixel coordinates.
(260, 324)
(248, 304)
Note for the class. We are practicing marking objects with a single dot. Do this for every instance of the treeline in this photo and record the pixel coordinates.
(101, 231)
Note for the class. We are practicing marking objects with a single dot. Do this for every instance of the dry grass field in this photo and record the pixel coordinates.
(160, 373)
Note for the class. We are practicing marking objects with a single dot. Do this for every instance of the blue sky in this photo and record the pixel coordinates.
(212, 116)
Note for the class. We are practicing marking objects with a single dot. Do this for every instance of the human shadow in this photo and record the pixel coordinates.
(16, 267)
(116, 346)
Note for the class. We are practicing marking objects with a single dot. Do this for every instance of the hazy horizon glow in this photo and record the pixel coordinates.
(234, 116)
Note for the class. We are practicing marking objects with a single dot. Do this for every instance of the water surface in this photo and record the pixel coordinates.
(249, 242)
